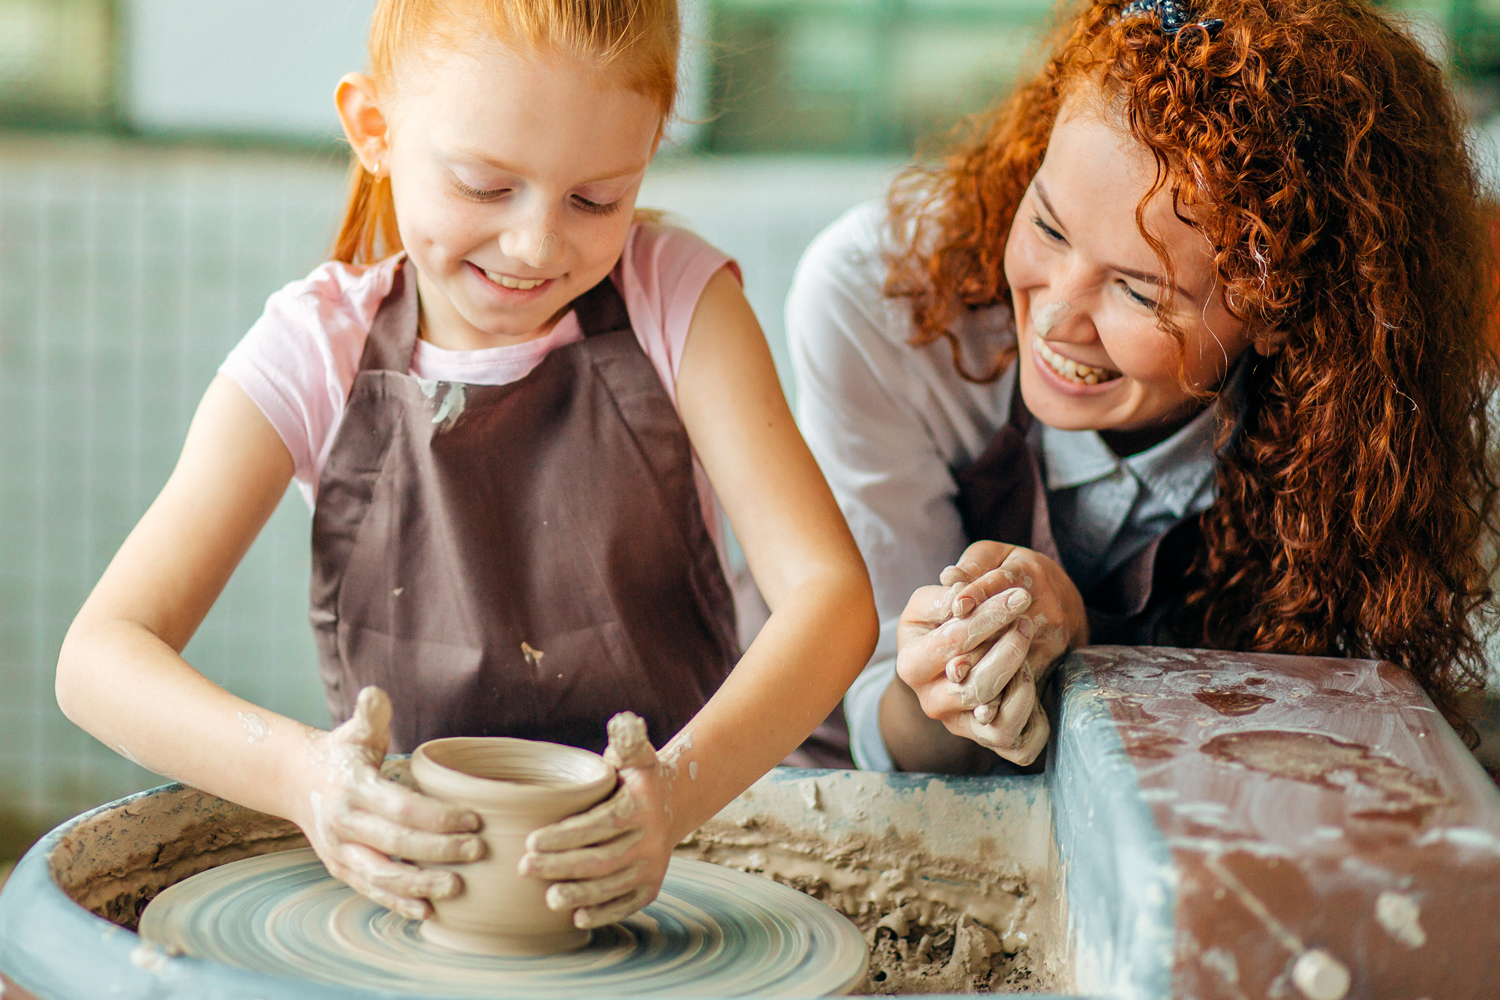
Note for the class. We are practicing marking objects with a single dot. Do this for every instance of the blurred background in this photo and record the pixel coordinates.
(166, 164)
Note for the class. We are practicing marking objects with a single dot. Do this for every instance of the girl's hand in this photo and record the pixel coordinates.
(610, 861)
(976, 650)
(357, 821)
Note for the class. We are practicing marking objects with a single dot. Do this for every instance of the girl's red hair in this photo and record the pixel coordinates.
(639, 37)
(1316, 148)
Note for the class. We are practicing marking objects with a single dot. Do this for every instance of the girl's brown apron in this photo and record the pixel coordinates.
(1002, 497)
(517, 560)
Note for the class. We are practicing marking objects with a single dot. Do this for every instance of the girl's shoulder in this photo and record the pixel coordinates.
(336, 299)
(662, 273)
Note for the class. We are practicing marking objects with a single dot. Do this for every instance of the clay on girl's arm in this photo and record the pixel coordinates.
(919, 743)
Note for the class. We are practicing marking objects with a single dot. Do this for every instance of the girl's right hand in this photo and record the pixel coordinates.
(359, 822)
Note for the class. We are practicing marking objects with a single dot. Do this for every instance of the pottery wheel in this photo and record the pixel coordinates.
(713, 932)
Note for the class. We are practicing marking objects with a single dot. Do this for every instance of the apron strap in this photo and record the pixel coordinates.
(393, 334)
(602, 310)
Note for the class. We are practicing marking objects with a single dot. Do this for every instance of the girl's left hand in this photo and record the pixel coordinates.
(608, 862)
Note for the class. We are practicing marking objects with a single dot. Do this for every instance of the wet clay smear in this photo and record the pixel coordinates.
(932, 925)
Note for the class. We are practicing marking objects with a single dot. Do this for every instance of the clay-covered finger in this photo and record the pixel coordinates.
(1033, 739)
(408, 807)
(994, 671)
(595, 891)
(992, 616)
(602, 823)
(615, 910)
(407, 906)
(985, 714)
(365, 827)
(1016, 705)
(629, 746)
(978, 559)
(968, 597)
(370, 724)
(953, 575)
(958, 668)
(371, 873)
(583, 862)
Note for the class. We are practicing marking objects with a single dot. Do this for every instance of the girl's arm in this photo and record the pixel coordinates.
(121, 676)
(821, 631)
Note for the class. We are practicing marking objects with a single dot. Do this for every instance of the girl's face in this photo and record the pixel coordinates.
(1085, 284)
(514, 177)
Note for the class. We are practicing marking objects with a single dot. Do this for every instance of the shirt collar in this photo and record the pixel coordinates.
(1174, 470)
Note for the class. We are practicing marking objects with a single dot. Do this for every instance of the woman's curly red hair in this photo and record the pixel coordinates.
(1316, 147)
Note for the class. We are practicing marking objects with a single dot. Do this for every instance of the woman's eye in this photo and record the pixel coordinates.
(1136, 297)
(1048, 231)
(594, 207)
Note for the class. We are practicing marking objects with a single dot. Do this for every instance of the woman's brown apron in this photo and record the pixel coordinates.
(1002, 497)
(517, 560)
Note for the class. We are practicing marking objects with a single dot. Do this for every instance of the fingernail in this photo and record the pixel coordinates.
(1017, 600)
(471, 823)
(1026, 627)
(958, 669)
(965, 606)
(473, 849)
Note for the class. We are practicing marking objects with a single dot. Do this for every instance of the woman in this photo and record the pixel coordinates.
(1183, 345)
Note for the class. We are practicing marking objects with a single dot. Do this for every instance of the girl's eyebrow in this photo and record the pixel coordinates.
(474, 154)
(1150, 279)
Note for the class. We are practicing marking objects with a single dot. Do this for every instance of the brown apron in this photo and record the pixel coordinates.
(1002, 497)
(517, 560)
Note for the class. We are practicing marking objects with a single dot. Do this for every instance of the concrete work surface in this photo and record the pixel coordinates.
(1208, 825)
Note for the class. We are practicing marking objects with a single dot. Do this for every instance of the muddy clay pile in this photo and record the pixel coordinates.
(933, 925)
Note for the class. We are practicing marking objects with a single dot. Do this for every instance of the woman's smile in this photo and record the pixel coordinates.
(1070, 370)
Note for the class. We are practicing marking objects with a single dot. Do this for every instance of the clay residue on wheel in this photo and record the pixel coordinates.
(115, 862)
(1334, 764)
(933, 925)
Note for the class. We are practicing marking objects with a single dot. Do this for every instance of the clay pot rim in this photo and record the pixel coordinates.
(497, 788)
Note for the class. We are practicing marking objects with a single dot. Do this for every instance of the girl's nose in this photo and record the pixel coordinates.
(533, 242)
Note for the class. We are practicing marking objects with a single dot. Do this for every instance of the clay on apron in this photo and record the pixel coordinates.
(1002, 497)
(517, 560)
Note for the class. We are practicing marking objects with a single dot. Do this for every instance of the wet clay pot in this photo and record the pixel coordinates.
(516, 786)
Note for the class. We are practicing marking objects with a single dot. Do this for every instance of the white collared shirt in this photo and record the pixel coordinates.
(890, 424)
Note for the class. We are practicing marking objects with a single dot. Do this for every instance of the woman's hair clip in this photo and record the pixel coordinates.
(1172, 16)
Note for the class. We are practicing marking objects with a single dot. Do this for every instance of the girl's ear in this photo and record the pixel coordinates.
(364, 123)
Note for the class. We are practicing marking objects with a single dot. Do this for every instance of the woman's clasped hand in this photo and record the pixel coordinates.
(977, 649)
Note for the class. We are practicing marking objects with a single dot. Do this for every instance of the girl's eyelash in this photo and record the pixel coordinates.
(594, 207)
(475, 194)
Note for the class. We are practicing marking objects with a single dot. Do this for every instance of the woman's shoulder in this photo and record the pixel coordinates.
(839, 286)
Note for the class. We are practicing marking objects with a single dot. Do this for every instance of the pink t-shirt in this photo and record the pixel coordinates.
(299, 360)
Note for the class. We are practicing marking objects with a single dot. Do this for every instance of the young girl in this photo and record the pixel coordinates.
(1185, 345)
(499, 394)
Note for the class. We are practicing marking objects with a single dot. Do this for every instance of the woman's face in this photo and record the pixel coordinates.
(1085, 285)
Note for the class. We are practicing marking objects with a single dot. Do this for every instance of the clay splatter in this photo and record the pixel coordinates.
(256, 728)
(1401, 917)
(1329, 763)
(1048, 316)
(1229, 702)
